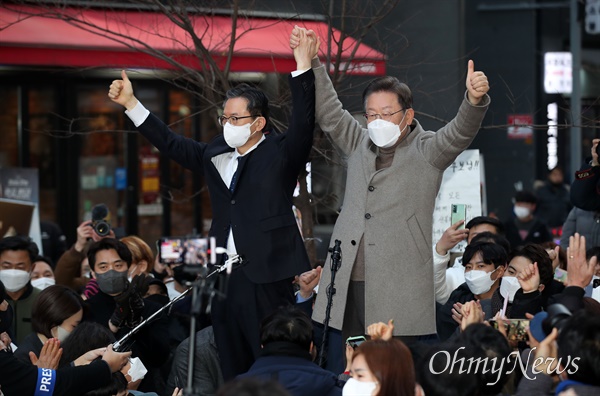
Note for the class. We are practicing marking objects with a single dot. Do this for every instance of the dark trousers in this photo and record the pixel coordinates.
(237, 319)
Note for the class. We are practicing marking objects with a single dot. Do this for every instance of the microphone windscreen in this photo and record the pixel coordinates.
(99, 212)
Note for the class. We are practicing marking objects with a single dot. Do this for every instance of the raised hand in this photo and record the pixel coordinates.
(451, 237)
(307, 47)
(121, 92)
(381, 331)
(471, 313)
(308, 281)
(477, 84)
(49, 355)
(529, 278)
(579, 271)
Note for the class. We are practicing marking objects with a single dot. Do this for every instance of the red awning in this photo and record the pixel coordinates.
(106, 38)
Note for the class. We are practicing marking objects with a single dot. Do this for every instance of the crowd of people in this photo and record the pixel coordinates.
(516, 313)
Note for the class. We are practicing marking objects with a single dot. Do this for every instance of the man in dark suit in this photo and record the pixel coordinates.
(251, 176)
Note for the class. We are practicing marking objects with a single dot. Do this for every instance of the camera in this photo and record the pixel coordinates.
(558, 316)
(99, 223)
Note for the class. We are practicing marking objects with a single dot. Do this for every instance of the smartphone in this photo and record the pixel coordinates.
(516, 328)
(187, 250)
(355, 341)
(458, 212)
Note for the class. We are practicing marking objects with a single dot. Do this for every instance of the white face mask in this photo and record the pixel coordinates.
(355, 387)
(43, 282)
(61, 334)
(131, 272)
(237, 135)
(521, 212)
(137, 371)
(14, 279)
(478, 281)
(385, 133)
(509, 287)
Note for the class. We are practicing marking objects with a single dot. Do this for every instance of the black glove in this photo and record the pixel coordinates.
(122, 309)
(137, 289)
(130, 303)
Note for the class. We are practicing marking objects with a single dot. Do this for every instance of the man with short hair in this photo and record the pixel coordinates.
(17, 254)
(395, 169)
(251, 175)
(119, 305)
(446, 279)
(286, 338)
(525, 227)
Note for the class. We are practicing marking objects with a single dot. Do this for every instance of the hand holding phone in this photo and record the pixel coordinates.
(458, 212)
(355, 341)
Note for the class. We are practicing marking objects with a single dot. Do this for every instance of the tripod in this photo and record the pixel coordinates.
(336, 262)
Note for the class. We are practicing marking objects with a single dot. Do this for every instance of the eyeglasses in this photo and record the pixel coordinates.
(384, 116)
(233, 120)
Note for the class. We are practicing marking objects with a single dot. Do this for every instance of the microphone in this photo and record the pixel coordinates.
(336, 251)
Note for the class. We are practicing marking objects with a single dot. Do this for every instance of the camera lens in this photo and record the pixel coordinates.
(102, 228)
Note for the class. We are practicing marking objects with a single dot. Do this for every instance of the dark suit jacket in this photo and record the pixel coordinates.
(259, 210)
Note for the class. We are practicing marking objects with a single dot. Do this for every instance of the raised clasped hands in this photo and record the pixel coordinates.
(305, 44)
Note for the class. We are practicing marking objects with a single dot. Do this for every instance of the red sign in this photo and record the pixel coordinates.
(520, 126)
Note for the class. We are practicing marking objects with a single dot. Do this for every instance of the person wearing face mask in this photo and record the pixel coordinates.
(395, 168)
(525, 227)
(526, 283)
(141, 254)
(119, 305)
(382, 368)
(42, 275)
(16, 263)
(56, 312)
(485, 264)
(251, 174)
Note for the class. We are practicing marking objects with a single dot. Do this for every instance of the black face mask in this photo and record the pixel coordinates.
(6, 319)
(182, 276)
(160, 275)
(112, 282)
(159, 298)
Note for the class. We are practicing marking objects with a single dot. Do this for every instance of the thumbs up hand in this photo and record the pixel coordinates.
(477, 84)
(121, 92)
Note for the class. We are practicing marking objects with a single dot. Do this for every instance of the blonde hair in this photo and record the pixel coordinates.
(139, 250)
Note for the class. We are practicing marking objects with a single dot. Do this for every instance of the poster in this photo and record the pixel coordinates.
(461, 184)
(22, 184)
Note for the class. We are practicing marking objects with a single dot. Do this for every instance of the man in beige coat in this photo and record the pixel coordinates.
(395, 168)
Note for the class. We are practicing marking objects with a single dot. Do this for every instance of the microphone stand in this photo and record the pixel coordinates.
(336, 262)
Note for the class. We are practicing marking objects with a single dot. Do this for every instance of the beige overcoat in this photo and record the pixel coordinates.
(393, 209)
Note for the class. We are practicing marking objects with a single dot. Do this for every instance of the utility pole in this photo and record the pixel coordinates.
(575, 44)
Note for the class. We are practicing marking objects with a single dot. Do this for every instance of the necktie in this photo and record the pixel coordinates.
(235, 176)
